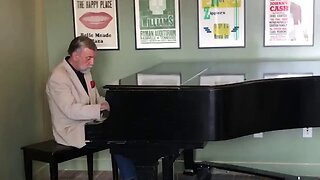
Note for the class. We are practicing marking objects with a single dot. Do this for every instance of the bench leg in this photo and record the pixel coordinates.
(53, 171)
(90, 166)
(27, 166)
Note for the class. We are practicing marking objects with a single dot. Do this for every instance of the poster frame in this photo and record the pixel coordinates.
(156, 45)
(215, 79)
(159, 79)
(226, 44)
(78, 24)
(286, 43)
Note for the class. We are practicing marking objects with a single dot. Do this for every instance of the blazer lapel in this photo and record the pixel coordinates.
(75, 80)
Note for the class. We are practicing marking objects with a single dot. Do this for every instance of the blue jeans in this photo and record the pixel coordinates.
(126, 167)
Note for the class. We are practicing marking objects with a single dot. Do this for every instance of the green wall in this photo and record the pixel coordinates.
(113, 65)
(285, 151)
(23, 69)
(34, 39)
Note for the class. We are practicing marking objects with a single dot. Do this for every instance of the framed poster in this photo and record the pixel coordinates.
(289, 23)
(221, 23)
(285, 75)
(159, 79)
(221, 79)
(97, 20)
(157, 24)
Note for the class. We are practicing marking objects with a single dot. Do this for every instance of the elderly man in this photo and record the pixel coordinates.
(75, 101)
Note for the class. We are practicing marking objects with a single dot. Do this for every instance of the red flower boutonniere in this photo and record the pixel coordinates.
(93, 84)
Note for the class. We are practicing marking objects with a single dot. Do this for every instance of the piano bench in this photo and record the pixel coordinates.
(54, 153)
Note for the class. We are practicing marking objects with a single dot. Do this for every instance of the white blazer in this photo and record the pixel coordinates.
(70, 105)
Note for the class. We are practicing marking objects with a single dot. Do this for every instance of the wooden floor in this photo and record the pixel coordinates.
(82, 175)
(107, 175)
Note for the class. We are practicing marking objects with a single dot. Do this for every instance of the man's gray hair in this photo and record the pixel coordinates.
(81, 42)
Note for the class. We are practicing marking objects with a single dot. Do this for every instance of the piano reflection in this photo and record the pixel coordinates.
(147, 123)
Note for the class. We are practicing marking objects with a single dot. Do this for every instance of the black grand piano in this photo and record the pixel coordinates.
(147, 123)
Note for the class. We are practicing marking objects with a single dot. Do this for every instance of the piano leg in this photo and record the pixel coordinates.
(167, 166)
(188, 157)
(147, 171)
